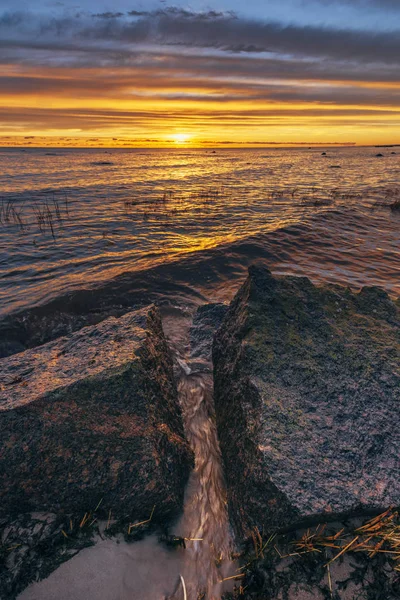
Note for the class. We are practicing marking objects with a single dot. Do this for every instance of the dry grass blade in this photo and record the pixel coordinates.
(133, 525)
(183, 587)
(85, 518)
(345, 549)
(98, 506)
(259, 545)
(311, 542)
(330, 580)
(380, 535)
(237, 576)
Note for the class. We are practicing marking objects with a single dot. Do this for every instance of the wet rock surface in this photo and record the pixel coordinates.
(60, 317)
(94, 416)
(206, 321)
(307, 390)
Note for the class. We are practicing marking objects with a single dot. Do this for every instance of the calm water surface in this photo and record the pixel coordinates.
(73, 219)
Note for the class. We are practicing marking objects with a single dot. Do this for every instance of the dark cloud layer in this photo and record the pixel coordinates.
(212, 30)
(161, 87)
(142, 119)
(108, 15)
(181, 13)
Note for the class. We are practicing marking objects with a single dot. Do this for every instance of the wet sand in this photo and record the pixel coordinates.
(112, 570)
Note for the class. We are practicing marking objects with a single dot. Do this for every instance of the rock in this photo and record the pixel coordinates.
(323, 154)
(39, 325)
(10, 347)
(94, 416)
(206, 321)
(379, 155)
(307, 392)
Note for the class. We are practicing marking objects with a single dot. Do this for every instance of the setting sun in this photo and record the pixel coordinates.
(181, 138)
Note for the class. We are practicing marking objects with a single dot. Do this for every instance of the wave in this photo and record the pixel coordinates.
(338, 247)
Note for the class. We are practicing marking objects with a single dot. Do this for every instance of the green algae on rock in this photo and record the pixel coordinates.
(307, 392)
(94, 416)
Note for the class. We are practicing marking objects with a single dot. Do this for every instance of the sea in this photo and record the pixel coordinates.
(194, 219)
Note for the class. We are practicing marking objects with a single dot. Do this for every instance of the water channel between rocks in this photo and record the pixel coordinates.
(205, 521)
(146, 570)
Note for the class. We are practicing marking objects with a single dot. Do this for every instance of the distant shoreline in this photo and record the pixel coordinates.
(203, 148)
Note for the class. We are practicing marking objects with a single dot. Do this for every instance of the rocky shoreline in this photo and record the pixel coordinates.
(306, 392)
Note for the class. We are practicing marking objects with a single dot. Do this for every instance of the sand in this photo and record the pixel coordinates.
(112, 570)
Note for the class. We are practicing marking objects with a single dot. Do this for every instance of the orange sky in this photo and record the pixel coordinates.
(116, 92)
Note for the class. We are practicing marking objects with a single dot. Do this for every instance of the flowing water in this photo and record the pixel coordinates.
(207, 559)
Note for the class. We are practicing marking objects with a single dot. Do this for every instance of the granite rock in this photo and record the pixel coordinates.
(94, 416)
(307, 395)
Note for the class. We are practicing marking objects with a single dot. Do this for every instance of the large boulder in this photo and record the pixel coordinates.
(93, 417)
(307, 398)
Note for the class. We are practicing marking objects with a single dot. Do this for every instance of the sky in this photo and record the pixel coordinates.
(230, 73)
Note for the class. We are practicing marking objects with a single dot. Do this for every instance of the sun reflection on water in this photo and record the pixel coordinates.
(105, 212)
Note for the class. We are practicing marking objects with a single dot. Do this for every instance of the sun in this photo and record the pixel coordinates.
(181, 138)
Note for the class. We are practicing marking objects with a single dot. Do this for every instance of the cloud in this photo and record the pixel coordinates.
(213, 80)
(241, 35)
(181, 13)
(393, 5)
(200, 69)
(108, 15)
(12, 19)
(139, 13)
(208, 30)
